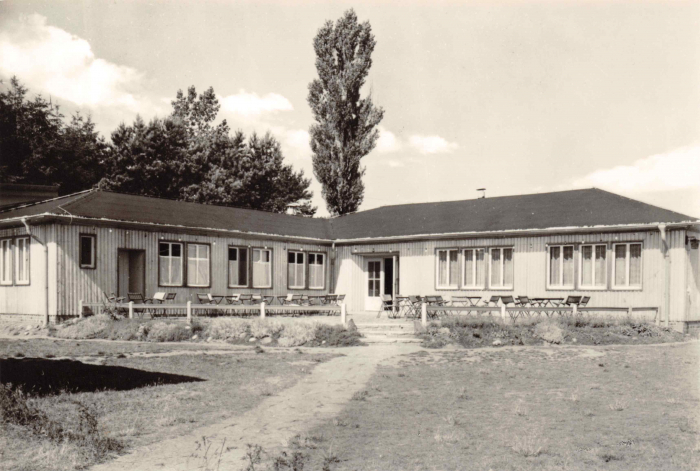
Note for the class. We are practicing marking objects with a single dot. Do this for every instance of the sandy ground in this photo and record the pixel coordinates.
(319, 397)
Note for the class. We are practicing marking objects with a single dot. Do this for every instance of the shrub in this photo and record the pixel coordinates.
(224, 328)
(260, 328)
(297, 334)
(335, 336)
(87, 328)
(160, 331)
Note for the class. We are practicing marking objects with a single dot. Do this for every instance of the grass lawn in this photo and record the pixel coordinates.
(561, 408)
(137, 399)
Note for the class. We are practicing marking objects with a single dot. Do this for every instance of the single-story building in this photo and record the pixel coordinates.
(619, 251)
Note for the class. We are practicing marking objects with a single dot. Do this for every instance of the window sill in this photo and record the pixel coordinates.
(87, 267)
(626, 288)
(592, 288)
(473, 288)
(447, 288)
(561, 288)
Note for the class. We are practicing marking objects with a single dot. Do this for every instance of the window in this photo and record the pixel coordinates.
(501, 268)
(295, 270)
(237, 267)
(22, 261)
(197, 265)
(474, 268)
(448, 269)
(6, 262)
(87, 251)
(317, 271)
(170, 263)
(262, 268)
(560, 267)
(627, 266)
(593, 266)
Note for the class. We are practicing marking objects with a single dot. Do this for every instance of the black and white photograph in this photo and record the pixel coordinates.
(326, 235)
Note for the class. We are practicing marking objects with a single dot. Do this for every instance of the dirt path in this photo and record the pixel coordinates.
(315, 399)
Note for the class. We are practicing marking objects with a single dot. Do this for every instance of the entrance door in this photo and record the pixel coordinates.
(131, 272)
(375, 282)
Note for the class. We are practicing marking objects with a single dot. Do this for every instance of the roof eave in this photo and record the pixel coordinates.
(155, 227)
(518, 232)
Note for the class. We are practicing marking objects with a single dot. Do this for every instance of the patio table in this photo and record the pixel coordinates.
(546, 302)
(216, 299)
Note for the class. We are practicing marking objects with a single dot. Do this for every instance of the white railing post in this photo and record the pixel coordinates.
(131, 309)
(629, 312)
(80, 308)
(343, 314)
(424, 314)
(503, 312)
(575, 307)
(189, 312)
(262, 310)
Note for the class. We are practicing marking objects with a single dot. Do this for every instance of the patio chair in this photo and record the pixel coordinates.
(570, 301)
(170, 296)
(403, 305)
(137, 298)
(584, 302)
(506, 300)
(268, 299)
(387, 305)
(340, 299)
(436, 301)
(158, 298)
(110, 305)
(524, 302)
(233, 299)
(415, 309)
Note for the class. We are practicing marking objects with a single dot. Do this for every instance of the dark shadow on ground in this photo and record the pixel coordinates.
(39, 376)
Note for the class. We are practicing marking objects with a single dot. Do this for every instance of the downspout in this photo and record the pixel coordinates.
(46, 269)
(332, 281)
(667, 275)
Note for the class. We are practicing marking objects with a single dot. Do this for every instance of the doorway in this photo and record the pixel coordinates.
(382, 278)
(131, 272)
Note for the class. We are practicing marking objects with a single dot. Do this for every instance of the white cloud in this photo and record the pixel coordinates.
(53, 61)
(432, 144)
(251, 105)
(675, 170)
(387, 142)
(670, 180)
(297, 143)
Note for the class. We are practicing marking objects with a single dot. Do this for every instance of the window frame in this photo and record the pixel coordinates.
(561, 286)
(252, 264)
(11, 263)
(308, 277)
(628, 287)
(592, 287)
(457, 282)
(304, 269)
(93, 237)
(477, 285)
(187, 271)
(239, 248)
(15, 256)
(183, 266)
(502, 286)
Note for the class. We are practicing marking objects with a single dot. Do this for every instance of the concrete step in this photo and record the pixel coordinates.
(405, 326)
(387, 333)
(379, 339)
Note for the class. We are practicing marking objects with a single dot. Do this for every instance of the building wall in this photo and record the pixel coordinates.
(417, 266)
(693, 283)
(30, 300)
(77, 283)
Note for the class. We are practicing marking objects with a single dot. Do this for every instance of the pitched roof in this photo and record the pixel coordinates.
(574, 208)
(565, 209)
(107, 205)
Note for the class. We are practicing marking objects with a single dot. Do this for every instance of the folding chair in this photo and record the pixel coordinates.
(110, 305)
(402, 305)
(137, 298)
(506, 300)
(415, 308)
(233, 299)
(524, 302)
(158, 298)
(493, 301)
(570, 301)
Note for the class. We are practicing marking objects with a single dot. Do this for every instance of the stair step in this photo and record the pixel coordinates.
(388, 333)
(385, 339)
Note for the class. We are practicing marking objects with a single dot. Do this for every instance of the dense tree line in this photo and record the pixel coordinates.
(184, 156)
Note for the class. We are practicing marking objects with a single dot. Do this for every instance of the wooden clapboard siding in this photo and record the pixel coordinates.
(30, 299)
(88, 284)
(417, 268)
(693, 284)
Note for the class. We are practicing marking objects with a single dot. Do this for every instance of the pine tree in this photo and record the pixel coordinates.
(346, 124)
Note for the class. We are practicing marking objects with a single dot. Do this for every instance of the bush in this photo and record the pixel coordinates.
(297, 334)
(260, 328)
(335, 336)
(87, 328)
(15, 409)
(160, 331)
(228, 328)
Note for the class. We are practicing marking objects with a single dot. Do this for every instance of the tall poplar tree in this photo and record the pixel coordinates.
(346, 124)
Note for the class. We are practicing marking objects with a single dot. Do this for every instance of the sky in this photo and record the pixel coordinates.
(513, 96)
